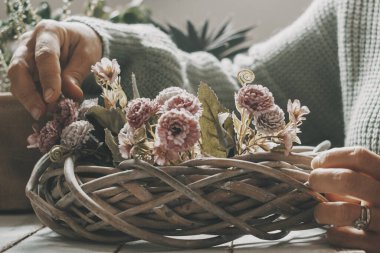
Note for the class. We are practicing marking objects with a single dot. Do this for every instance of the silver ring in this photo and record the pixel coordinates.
(363, 221)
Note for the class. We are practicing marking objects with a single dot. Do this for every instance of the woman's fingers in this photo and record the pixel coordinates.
(341, 214)
(347, 237)
(22, 84)
(355, 158)
(339, 198)
(346, 182)
(47, 54)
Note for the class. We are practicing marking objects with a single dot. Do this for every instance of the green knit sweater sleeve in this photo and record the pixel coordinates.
(300, 62)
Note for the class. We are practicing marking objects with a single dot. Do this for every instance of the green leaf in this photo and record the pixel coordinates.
(135, 90)
(113, 147)
(226, 131)
(112, 119)
(214, 138)
(237, 123)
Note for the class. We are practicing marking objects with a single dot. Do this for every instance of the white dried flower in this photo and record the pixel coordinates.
(297, 112)
(76, 134)
(106, 71)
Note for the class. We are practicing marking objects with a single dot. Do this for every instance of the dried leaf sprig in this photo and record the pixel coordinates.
(262, 125)
(107, 76)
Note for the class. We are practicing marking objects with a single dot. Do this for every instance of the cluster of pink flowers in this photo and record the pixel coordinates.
(139, 111)
(177, 128)
(65, 113)
(64, 128)
(258, 101)
(269, 119)
(167, 130)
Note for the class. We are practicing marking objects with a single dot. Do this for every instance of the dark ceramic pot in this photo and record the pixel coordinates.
(16, 161)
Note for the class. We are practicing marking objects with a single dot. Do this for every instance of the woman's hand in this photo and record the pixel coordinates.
(52, 59)
(352, 176)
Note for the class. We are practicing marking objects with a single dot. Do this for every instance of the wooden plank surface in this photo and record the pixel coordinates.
(47, 241)
(24, 233)
(14, 228)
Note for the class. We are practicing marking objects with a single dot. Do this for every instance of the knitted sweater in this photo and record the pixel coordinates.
(329, 59)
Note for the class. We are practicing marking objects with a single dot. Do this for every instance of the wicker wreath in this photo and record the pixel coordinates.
(264, 195)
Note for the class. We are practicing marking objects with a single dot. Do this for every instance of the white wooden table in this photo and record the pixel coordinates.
(24, 233)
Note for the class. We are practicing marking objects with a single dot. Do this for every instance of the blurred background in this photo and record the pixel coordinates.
(268, 15)
(223, 28)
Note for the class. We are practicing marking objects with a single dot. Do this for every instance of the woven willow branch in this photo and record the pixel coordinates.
(263, 194)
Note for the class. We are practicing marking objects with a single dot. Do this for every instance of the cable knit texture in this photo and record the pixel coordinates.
(329, 59)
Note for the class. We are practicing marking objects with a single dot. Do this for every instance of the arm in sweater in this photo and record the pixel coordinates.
(300, 62)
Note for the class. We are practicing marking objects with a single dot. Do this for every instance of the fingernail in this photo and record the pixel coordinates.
(48, 94)
(36, 113)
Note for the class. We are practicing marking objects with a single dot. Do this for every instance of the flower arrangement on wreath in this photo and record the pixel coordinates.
(173, 127)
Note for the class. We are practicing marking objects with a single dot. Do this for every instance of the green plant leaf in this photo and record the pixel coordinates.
(135, 90)
(226, 131)
(112, 119)
(215, 139)
(112, 146)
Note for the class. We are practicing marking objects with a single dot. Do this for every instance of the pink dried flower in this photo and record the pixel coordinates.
(177, 130)
(163, 156)
(49, 136)
(254, 98)
(138, 112)
(126, 141)
(185, 101)
(270, 121)
(76, 134)
(297, 112)
(67, 112)
(106, 71)
(168, 93)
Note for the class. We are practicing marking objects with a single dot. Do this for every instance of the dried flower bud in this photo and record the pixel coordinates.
(67, 112)
(177, 130)
(289, 136)
(254, 98)
(106, 71)
(126, 141)
(76, 134)
(270, 121)
(185, 101)
(49, 136)
(138, 112)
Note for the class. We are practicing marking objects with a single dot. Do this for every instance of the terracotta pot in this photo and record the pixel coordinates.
(16, 161)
